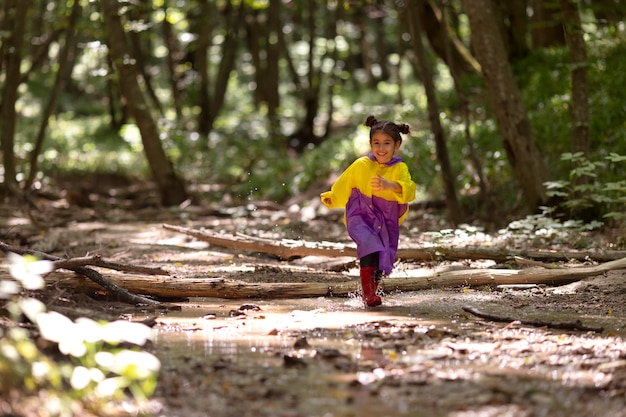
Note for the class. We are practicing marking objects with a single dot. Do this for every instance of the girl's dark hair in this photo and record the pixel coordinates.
(390, 128)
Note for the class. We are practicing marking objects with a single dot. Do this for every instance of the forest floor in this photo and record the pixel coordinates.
(419, 354)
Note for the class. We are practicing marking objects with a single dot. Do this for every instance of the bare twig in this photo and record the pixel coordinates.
(530, 262)
(96, 260)
(569, 325)
(93, 275)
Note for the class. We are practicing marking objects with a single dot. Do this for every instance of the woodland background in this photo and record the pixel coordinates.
(516, 107)
(118, 116)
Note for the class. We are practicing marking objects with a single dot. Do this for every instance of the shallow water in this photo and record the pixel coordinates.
(205, 326)
(255, 346)
(236, 364)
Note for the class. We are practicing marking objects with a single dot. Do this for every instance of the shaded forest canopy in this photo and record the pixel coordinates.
(231, 116)
(241, 100)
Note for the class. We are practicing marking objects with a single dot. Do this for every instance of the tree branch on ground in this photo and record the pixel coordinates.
(568, 325)
(289, 249)
(306, 286)
(283, 249)
(78, 265)
(96, 260)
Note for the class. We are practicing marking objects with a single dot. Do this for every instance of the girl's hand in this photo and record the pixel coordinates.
(380, 184)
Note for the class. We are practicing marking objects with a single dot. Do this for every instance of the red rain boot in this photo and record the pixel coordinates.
(378, 276)
(369, 287)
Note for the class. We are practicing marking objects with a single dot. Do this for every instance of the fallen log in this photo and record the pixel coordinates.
(289, 249)
(78, 266)
(283, 249)
(567, 325)
(219, 287)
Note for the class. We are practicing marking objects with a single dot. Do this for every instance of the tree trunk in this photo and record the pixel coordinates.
(504, 95)
(170, 186)
(444, 42)
(578, 58)
(64, 62)
(200, 62)
(172, 61)
(262, 35)
(142, 12)
(516, 26)
(608, 12)
(118, 110)
(547, 27)
(581, 141)
(213, 92)
(305, 135)
(254, 37)
(465, 108)
(272, 81)
(12, 58)
(448, 176)
(380, 45)
(331, 54)
(364, 49)
(227, 63)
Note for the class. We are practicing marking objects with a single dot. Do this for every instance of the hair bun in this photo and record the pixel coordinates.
(370, 121)
(404, 128)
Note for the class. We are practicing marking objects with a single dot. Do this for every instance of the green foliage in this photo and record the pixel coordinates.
(247, 158)
(542, 230)
(93, 368)
(586, 187)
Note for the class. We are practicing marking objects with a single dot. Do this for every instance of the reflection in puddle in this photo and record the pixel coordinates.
(331, 357)
(208, 327)
(306, 351)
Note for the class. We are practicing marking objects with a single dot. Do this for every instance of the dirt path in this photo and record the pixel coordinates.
(419, 354)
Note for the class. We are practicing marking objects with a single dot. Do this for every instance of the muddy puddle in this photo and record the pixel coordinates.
(419, 354)
(248, 330)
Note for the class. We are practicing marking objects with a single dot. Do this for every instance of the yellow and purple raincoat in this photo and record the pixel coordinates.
(373, 217)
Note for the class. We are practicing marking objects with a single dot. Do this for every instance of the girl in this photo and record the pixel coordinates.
(375, 191)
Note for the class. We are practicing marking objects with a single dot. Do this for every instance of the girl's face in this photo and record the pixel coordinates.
(383, 147)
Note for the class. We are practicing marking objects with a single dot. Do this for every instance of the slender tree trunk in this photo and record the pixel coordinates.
(118, 110)
(331, 53)
(64, 62)
(285, 53)
(465, 108)
(201, 64)
(452, 204)
(170, 186)
(311, 95)
(580, 96)
(272, 95)
(581, 141)
(254, 37)
(227, 64)
(141, 12)
(547, 27)
(382, 54)
(40, 57)
(609, 12)
(6, 23)
(516, 22)
(443, 41)
(517, 133)
(262, 36)
(364, 48)
(12, 61)
(173, 58)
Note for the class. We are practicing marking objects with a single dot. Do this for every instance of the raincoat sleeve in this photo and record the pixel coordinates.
(340, 192)
(408, 186)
